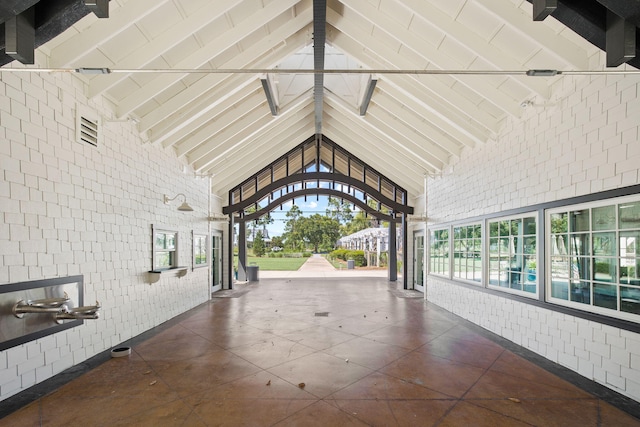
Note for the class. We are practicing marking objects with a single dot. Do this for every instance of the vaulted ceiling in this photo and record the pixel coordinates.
(423, 110)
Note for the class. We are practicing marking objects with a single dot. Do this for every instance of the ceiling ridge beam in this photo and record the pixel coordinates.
(100, 31)
(319, 40)
(167, 39)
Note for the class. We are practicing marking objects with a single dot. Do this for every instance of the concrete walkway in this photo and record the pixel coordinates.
(317, 266)
(321, 352)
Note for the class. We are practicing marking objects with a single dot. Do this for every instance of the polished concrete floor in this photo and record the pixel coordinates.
(321, 352)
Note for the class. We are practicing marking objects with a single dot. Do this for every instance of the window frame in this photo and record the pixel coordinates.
(454, 262)
(204, 240)
(156, 252)
(536, 256)
(575, 251)
(446, 273)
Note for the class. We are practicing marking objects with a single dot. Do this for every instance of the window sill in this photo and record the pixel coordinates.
(154, 275)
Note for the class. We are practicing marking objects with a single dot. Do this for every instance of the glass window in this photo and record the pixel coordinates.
(439, 252)
(165, 245)
(199, 250)
(513, 254)
(467, 254)
(594, 258)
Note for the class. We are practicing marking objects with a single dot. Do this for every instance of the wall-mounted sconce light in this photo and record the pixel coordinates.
(183, 207)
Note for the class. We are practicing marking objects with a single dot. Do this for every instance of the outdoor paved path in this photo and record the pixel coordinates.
(317, 266)
(316, 262)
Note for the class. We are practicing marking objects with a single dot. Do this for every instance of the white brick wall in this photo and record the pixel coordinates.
(588, 142)
(69, 208)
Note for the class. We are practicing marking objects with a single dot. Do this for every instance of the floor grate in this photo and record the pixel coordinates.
(322, 314)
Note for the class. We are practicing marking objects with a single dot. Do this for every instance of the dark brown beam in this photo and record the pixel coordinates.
(543, 8)
(621, 40)
(20, 37)
(99, 7)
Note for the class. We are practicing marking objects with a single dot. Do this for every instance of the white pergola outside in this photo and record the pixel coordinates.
(373, 241)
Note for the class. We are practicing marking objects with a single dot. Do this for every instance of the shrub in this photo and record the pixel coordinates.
(345, 254)
(358, 257)
(340, 254)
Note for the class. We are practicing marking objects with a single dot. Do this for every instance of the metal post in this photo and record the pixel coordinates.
(393, 250)
(405, 256)
(242, 251)
(229, 284)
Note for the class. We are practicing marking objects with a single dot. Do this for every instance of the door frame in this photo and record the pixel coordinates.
(216, 234)
(417, 262)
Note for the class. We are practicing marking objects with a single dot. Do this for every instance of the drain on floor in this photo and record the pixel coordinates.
(322, 314)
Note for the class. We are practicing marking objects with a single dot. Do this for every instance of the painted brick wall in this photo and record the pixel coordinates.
(70, 208)
(586, 141)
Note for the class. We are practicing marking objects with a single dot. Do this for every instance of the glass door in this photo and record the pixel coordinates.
(418, 261)
(216, 261)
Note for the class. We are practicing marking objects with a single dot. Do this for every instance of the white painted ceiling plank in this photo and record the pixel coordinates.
(363, 141)
(440, 144)
(196, 60)
(356, 43)
(298, 111)
(242, 164)
(388, 166)
(405, 136)
(71, 52)
(395, 138)
(517, 20)
(216, 108)
(409, 98)
(465, 36)
(294, 39)
(301, 111)
(431, 54)
(217, 123)
(168, 39)
(246, 124)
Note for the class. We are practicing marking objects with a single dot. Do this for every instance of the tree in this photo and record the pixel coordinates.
(292, 235)
(339, 210)
(277, 241)
(258, 244)
(359, 222)
(319, 231)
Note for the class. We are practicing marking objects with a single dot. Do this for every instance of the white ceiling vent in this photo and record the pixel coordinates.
(88, 126)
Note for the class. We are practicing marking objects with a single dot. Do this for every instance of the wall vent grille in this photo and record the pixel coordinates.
(87, 128)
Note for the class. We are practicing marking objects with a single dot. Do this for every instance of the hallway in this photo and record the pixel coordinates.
(331, 352)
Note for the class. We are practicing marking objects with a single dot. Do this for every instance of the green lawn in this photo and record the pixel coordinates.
(276, 264)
